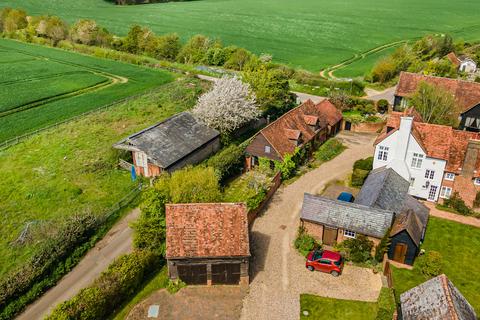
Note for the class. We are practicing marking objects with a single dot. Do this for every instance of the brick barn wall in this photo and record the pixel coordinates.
(367, 127)
(313, 229)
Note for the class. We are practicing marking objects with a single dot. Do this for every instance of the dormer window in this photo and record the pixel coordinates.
(312, 122)
(294, 136)
(390, 129)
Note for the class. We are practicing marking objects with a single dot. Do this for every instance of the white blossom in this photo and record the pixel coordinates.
(228, 106)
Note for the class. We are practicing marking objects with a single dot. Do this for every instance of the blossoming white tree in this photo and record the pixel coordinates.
(228, 106)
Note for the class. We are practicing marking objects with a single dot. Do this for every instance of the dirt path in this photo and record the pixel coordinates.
(116, 242)
(472, 221)
(387, 94)
(279, 274)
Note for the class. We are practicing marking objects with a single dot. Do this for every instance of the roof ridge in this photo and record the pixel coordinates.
(348, 204)
(438, 77)
(286, 113)
(448, 294)
(154, 125)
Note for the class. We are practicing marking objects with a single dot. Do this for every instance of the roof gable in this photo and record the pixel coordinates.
(171, 140)
(436, 299)
(351, 216)
(207, 230)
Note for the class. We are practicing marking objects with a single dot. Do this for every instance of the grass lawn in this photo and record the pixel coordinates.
(459, 246)
(47, 85)
(73, 168)
(311, 34)
(329, 308)
(156, 282)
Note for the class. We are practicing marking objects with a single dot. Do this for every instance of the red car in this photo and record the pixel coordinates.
(325, 261)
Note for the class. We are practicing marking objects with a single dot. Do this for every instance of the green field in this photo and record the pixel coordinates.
(459, 246)
(40, 86)
(73, 168)
(312, 34)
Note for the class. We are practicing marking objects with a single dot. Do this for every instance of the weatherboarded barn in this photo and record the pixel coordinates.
(170, 145)
(208, 243)
(435, 299)
(332, 221)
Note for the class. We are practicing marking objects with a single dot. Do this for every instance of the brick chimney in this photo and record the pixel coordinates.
(471, 156)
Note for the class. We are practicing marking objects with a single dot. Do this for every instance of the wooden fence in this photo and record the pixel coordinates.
(276, 182)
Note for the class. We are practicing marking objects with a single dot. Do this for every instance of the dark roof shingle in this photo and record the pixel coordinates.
(207, 230)
(351, 216)
(171, 140)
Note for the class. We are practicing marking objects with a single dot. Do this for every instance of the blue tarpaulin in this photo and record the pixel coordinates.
(134, 174)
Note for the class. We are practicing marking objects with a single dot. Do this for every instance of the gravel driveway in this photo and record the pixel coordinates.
(278, 271)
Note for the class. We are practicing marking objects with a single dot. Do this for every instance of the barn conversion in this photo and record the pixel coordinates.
(170, 145)
(208, 243)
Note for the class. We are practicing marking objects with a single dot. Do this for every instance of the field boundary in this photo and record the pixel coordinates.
(16, 140)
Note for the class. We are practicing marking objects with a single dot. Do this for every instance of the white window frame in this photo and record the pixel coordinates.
(349, 234)
(449, 176)
(141, 160)
(476, 181)
(417, 160)
(268, 149)
(431, 196)
(383, 153)
(445, 192)
(429, 174)
(412, 181)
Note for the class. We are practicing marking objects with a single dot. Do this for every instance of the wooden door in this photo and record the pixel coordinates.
(226, 273)
(400, 252)
(193, 274)
(329, 236)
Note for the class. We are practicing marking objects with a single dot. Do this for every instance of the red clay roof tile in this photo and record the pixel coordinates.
(207, 230)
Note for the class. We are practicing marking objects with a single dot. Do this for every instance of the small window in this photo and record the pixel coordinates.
(445, 192)
(267, 149)
(417, 160)
(349, 234)
(476, 181)
(324, 261)
(412, 181)
(383, 153)
(429, 174)
(449, 176)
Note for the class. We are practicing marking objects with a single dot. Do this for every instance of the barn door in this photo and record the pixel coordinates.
(329, 236)
(348, 126)
(400, 252)
(193, 274)
(226, 273)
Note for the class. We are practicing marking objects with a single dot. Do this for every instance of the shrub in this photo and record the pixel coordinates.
(304, 242)
(174, 286)
(358, 177)
(122, 278)
(382, 247)
(227, 163)
(357, 250)
(364, 164)
(382, 105)
(329, 150)
(195, 50)
(456, 202)
(287, 166)
(431, 264)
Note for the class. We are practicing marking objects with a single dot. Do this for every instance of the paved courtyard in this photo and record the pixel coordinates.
(278, 271)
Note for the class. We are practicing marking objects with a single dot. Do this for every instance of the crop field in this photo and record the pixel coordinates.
(312, 34)
(73, 168)
(40, 86)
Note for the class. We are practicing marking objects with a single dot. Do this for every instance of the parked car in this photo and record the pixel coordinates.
(325, 261)
(346, 196)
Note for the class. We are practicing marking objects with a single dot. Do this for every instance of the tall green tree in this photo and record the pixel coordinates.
(435, 104)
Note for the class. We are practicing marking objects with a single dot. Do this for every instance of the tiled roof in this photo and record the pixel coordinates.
(385, 189)
(293, 134)
(453, 59)
(351, 216)
(170, 140)
(408, 220)
(279, 132)
(436, 299)
(440, 142)
(207, 230)
(466, 93)
(311, 120)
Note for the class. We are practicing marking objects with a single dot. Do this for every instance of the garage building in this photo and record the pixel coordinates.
(208, 243)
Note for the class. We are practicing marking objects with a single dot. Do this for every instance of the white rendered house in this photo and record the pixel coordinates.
(401, 151)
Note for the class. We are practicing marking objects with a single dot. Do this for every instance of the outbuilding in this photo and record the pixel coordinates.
(170, 145)
(208, 243)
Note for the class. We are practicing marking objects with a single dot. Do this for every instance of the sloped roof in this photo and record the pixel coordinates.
(408, 220)
(453, 59)
(346, 215)
(207, 230)
(466, 93)
(422, 211)
(279, 132)
(438, 141)
(384, 189)
(436, 299)
(171, 140)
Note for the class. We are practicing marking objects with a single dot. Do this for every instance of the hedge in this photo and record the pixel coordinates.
(228, 162)
(114, 286)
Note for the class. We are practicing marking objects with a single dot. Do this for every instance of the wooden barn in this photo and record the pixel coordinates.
(170, 145)
(306, 126)
(208, 243)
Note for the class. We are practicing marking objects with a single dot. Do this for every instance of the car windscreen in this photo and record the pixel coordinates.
(338, 262)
